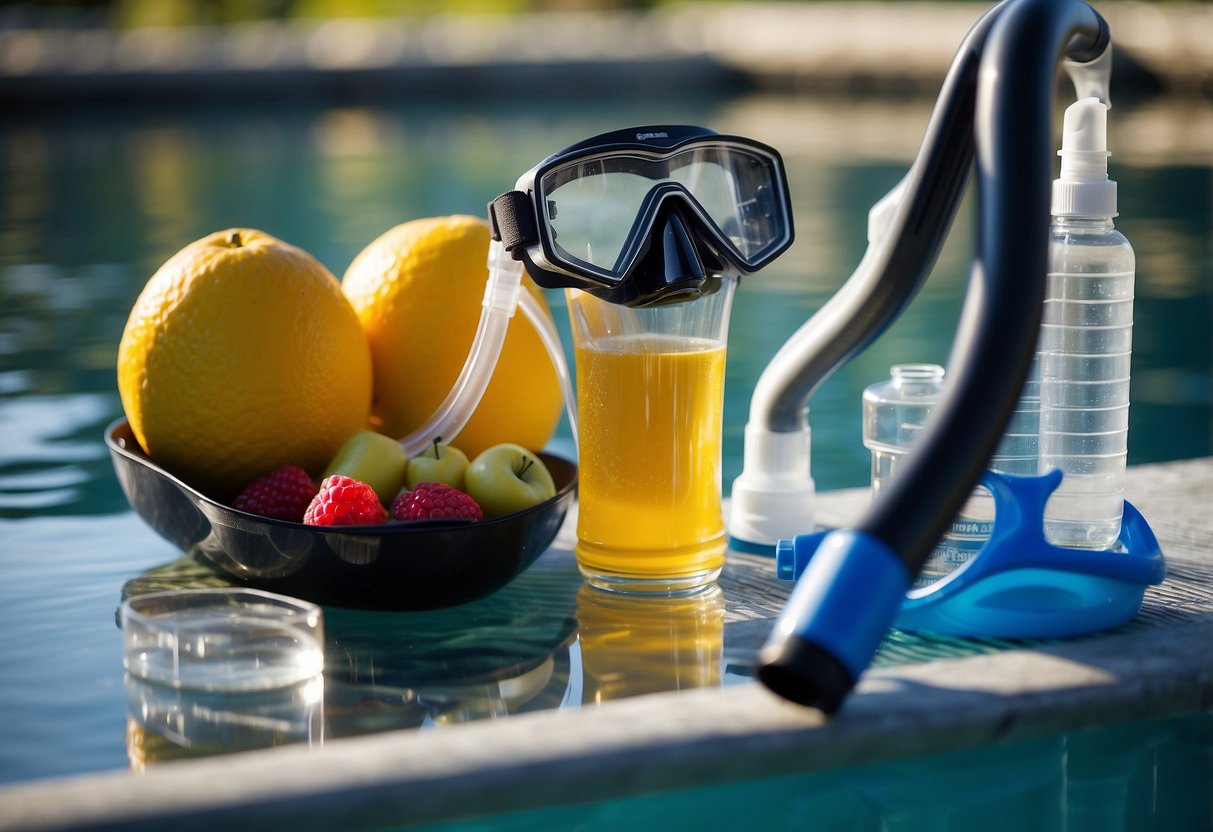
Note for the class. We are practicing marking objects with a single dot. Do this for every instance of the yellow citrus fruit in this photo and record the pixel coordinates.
(417, 290)
(242, 355)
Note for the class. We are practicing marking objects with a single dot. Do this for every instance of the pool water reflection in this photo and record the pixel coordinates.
(544, 641)
(94, 200)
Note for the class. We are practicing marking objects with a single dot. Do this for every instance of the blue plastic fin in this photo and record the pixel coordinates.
(1018, 585)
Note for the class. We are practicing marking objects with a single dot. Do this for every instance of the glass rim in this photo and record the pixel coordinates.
(286, 604)
(235, 640)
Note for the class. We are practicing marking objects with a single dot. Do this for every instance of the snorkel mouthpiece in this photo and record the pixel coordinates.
(834, 621)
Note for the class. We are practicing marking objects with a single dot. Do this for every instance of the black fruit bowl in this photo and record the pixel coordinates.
(412, 566)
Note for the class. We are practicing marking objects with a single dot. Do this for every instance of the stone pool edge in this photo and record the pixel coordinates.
(656, 743)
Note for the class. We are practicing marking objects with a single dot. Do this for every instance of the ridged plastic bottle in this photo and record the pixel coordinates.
(1018, 453)
(894, 414)
(1086, 340)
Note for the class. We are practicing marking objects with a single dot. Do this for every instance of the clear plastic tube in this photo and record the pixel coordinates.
(502, 295)
(546, 329)
(500, 299)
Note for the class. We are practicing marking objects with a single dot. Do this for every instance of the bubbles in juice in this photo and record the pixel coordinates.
(649, 481)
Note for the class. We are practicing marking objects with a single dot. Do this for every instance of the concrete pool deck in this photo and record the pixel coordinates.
(1158, 665)
(819, 46)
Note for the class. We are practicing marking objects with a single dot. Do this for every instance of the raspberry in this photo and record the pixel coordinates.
(283, 494)
(433, 500)
(343, 501)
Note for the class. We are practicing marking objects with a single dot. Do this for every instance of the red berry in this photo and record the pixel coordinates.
(283, 494)
(343, 501)
(434, 500)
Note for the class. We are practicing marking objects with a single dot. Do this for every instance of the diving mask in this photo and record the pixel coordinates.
(648, 215)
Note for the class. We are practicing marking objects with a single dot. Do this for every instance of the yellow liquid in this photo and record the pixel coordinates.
(649, 442)
(634, 644)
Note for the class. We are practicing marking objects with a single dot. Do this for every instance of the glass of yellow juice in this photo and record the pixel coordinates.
(650, 399)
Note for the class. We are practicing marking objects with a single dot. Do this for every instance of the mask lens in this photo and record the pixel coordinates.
(736, 189)
(592, 206)
(595, 208)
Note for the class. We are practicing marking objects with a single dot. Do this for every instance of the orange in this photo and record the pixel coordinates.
(417, 290)
(242, 355)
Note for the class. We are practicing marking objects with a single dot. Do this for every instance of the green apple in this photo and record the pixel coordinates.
(375, 459)
(507, 478)
(437, 463)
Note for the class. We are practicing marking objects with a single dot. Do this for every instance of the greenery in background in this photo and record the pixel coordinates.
(129, 13)
(135, 13)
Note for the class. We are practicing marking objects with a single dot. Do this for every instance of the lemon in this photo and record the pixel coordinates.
(242, 355)
(417, 291)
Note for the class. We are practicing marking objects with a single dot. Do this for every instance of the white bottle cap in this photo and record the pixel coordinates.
(1084, 190)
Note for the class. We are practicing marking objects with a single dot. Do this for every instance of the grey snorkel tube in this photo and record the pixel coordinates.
(852, 589)
(773, 496)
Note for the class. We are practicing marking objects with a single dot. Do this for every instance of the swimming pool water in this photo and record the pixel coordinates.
(1139, 776)
(92, 201)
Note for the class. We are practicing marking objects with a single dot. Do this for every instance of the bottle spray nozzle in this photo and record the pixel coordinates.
(1084, 141)
(1083, 188)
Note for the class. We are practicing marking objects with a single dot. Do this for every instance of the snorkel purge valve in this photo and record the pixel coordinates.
(996, 104)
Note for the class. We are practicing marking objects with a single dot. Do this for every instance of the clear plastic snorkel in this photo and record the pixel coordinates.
(503, 294)
(735, 182)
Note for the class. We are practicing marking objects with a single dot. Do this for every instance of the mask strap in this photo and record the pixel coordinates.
(513, 220)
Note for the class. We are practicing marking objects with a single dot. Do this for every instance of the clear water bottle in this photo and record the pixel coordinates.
(1086, 341)
(1018, 453)
(894, 415)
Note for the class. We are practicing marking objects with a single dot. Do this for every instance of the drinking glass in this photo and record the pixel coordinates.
(650, 399)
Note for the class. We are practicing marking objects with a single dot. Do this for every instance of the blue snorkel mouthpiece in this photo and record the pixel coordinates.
(856, 582)
(838, 614)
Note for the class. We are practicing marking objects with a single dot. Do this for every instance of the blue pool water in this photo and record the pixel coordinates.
(1140, 776)
(92, 201)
